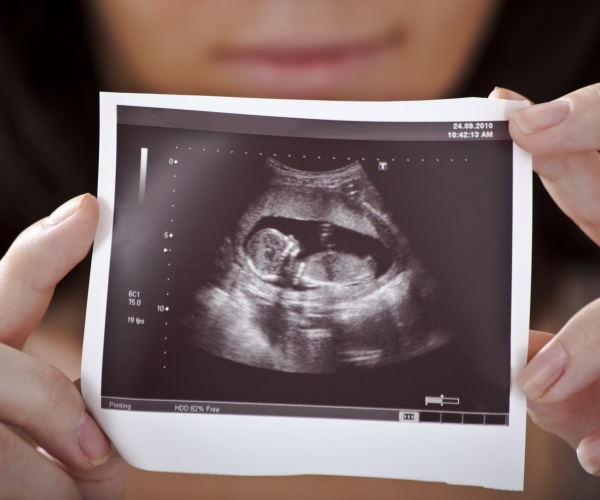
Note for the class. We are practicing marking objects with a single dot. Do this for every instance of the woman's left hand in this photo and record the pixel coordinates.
(562, 378)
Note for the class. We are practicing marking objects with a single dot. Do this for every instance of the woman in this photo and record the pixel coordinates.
(55, 59)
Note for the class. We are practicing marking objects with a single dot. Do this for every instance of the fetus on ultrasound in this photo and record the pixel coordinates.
(316, 277)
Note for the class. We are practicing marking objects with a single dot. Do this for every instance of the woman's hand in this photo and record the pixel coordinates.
(562, 380)
(73, 458)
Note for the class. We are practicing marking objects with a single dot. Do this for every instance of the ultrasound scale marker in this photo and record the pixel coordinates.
(167, 250)
(441, 400)
(143, 170)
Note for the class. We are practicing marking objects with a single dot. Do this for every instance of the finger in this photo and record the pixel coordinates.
(575, 419)
(37, 261)
(46, 405)
(564, 126)
(565, 155)
(588, 453)
(571, 419)
(104, 482)
(568, 363)
(25, 473)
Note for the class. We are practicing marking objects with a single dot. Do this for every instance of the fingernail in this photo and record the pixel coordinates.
(65, 211)
(92, 441)
(496, 93)
(588, 453)
(543, 371)
(540, 116)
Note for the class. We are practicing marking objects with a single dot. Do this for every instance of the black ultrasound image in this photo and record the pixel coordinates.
(279, 265)
(316, 276)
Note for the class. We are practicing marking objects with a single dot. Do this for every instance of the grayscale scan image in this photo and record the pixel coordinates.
(316, 276)
(310, 268)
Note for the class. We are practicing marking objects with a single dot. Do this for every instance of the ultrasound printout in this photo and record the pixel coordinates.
(343, 278)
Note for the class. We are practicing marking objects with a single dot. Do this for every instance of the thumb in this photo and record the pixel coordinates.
(567, 125)
(564, 137)
(38, 259)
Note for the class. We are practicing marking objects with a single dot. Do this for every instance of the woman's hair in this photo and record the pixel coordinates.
(48, 111)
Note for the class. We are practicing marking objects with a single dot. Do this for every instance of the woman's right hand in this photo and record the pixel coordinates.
(73, 458)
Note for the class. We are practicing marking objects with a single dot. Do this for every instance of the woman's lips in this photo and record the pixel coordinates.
(290, 70)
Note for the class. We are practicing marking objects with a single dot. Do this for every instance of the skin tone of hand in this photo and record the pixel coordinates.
(562, 378)
(74, 458)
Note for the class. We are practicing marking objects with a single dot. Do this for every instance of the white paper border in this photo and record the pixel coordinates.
(490, 456)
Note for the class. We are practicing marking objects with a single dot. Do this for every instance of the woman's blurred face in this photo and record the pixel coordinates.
(319, 49)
